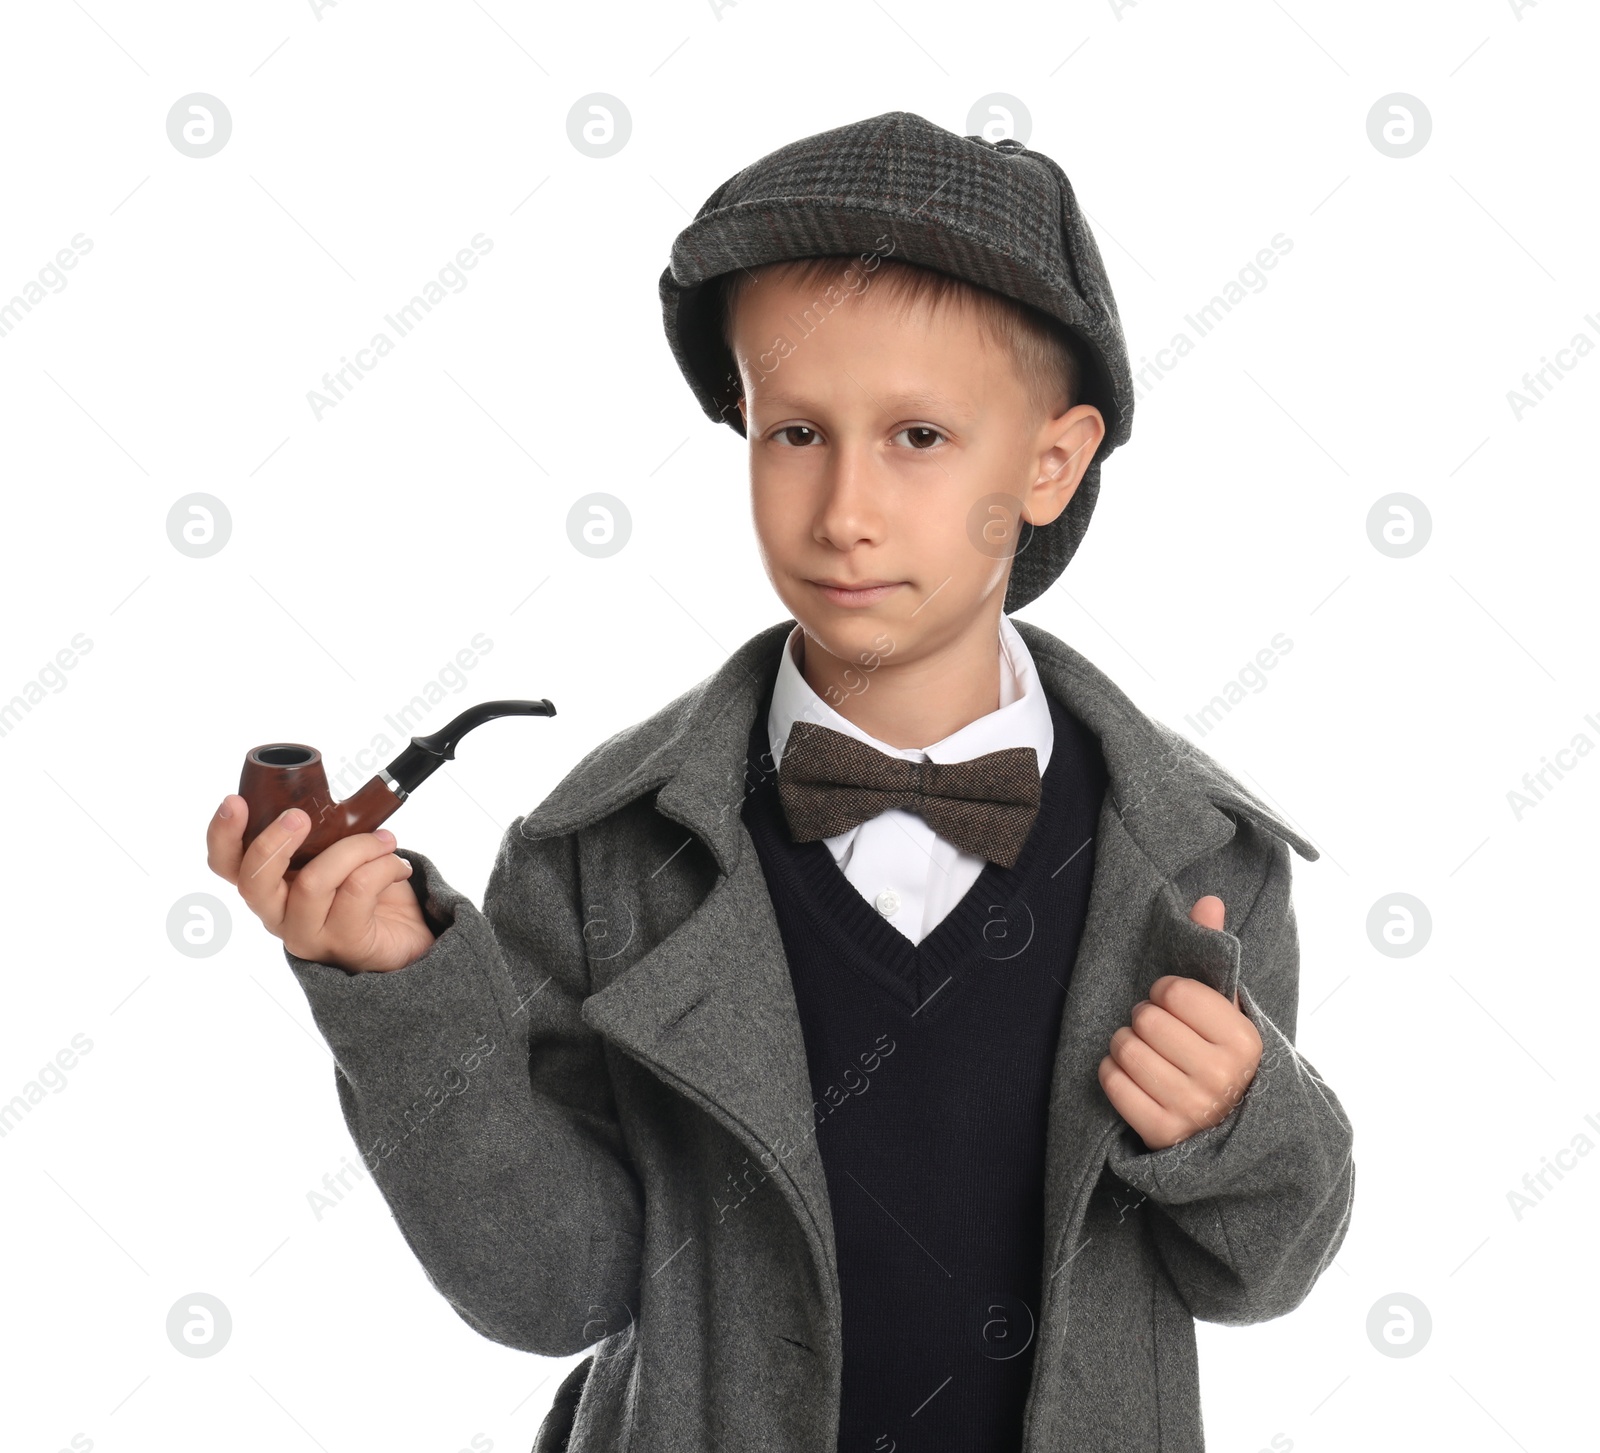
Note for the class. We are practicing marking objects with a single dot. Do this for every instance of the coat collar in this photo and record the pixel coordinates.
(1174, 800)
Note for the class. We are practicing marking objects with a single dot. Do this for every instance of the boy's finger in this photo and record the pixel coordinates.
(1208, 912)
(224, 837)
(266, 860)
(307, 911)
(353, 907)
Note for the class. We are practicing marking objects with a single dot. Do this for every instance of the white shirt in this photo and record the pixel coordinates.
(904, 869)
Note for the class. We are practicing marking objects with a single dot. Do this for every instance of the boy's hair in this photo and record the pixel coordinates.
(1047, 359)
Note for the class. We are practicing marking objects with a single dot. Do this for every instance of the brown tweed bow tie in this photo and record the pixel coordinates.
(830, 782)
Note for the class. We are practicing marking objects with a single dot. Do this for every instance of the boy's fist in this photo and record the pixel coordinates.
(350, 906)
(1187, 1056)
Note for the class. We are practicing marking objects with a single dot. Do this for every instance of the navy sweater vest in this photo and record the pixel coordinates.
(931, 1069)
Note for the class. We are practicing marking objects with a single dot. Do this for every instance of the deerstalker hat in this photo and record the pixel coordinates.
(993, 213)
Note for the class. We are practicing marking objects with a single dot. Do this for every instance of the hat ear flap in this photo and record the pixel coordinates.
(1080, 247)
(720, 360)
(1106, 353)
(693, 318)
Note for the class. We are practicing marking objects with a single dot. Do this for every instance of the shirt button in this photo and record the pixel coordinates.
(887, 902)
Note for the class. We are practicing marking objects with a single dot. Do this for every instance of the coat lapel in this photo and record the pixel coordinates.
(1163, 810)
(711, 1010)
(711, 1007)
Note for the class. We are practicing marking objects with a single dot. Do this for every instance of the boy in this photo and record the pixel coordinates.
(854, 1050)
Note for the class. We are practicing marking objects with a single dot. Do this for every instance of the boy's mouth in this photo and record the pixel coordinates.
(862, 592)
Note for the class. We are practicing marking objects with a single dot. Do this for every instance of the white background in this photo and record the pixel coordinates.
(370, 144)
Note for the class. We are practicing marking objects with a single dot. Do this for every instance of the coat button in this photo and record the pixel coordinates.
(887, 902)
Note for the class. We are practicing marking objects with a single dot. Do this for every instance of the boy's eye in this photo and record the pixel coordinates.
(779, 435)
(924, 442)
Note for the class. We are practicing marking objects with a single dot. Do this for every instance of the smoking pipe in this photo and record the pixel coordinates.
(281, 775)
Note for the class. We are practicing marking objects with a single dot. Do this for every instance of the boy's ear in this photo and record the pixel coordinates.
(1070, 442)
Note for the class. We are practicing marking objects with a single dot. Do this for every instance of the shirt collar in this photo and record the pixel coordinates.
(1021, 720)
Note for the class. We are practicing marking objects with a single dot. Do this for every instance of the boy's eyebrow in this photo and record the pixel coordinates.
(907, 399)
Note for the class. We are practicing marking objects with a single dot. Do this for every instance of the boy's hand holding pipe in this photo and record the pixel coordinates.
(350, 906)
(1186, 1057)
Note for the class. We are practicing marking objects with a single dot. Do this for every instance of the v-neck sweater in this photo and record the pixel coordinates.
(930, 1068)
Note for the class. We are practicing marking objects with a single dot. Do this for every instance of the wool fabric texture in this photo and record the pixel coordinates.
(830, 782)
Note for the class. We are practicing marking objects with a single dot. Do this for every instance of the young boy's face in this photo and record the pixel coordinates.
(876, 445)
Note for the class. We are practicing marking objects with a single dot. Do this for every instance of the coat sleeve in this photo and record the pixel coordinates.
(482, 1105)
(1246, 1214)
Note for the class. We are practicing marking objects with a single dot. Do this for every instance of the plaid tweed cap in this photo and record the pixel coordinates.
(992, 213)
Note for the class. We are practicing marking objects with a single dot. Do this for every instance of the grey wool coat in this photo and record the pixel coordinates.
(589, 1110)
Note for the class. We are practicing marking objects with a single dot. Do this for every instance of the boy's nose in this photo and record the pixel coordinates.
(851, 506)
